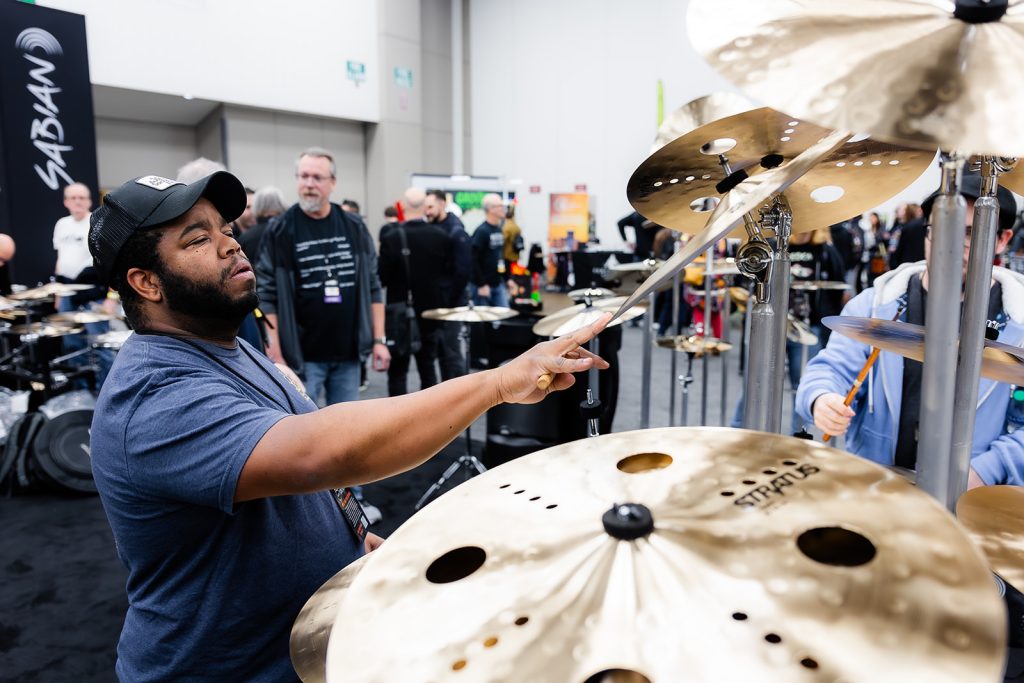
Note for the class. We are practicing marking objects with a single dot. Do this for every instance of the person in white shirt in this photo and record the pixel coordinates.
(71, 233)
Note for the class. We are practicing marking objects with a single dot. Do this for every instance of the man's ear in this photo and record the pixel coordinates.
(1002, 239)
(146, 283)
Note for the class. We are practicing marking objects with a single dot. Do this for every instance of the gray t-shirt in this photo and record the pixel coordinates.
(213, 586)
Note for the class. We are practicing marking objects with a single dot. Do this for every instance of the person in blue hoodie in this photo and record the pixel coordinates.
(882, 422)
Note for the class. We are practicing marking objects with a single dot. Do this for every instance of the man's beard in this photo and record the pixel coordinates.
(310, 204)
(206, 300)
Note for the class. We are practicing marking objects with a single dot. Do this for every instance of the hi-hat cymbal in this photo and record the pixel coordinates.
(756, 557)
(994, 518)
(48, 290)
(918, 74)
(470, 314)
(570, 319)
(814, 285)
(999, 361)
(697, 113)
(78, 317)
(694, 344)
(739, 201)
(311, 631)
(590, 293)
(676, 186)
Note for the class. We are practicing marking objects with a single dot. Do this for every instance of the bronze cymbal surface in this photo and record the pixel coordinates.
(994, 518)
(742, 199)
(675, 186)
(697, 113)
(78, 317)
(679, 554)
(470, 314)
(899, 70)
(694, 344)
(45, 330)
(999, 361)
(568, 320)
(311, 631)
(48, 290)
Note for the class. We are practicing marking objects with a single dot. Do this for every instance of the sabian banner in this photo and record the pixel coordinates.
(47, 134)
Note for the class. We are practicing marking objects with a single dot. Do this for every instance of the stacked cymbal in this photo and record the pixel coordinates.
(675, 554)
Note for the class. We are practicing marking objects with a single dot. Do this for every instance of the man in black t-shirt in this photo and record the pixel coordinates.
(429, 261)
(454, 287)
(488, 244)
(319, 287)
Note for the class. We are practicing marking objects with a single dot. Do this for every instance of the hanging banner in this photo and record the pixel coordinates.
(568, 221)
(47, 133)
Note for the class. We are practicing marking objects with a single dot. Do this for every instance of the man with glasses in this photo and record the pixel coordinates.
(488, 243)
(882, 424)
(319, 289)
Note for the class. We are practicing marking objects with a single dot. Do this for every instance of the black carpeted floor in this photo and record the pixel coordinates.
(62, 599)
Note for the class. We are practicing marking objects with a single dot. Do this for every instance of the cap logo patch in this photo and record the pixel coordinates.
(156, 182)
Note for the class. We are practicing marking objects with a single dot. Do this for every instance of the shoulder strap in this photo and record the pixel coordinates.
(405, 261)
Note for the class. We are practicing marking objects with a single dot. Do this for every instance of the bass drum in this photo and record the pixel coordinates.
(62, 451)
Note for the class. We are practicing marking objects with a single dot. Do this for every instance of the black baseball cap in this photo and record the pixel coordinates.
(149, 202)
(970, 187)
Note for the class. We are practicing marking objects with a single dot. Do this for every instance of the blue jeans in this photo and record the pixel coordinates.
(498, 297)
(339, 378)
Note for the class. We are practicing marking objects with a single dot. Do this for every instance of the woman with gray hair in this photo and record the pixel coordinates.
(267, 203)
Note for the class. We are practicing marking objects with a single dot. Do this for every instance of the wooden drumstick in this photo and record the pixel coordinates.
(865, 370)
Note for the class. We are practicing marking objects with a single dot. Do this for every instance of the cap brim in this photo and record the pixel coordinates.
(225, 192)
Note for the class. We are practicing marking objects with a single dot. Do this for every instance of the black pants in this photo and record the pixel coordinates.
(449, 351)
(426, 358)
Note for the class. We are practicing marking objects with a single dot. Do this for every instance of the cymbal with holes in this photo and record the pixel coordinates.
(676, 186)
(999, 361)
(994, 518)
(954, 85)
(311, 631)
(568, 320)
(697, 554)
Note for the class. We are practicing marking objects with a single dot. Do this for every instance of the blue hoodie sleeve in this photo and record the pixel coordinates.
(1003, 462)
(835, 368)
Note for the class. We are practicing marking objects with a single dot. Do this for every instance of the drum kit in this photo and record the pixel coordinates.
(720, 554)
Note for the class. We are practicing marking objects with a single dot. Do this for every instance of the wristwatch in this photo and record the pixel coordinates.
(380, 340)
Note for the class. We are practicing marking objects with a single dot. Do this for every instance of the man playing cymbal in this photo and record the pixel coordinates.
(882, 423)
(225, 487)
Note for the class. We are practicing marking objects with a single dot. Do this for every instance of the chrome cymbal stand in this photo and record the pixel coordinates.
(685, 381)
(942, 314)
(769, 267)
(984, 235)
(467, 460)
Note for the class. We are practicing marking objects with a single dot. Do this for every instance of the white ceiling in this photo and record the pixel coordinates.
(135, 105)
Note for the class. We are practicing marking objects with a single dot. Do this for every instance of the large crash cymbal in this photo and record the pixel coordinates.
(900, 70)
(771, 559)
(994, 518)
(312, 628)
(739, 201)
(470, 314)
(568, 320)
(697, 113)
(999, 361)
(676, 186)
(48, 291)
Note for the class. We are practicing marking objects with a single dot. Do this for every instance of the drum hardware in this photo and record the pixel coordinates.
(785, 550)
(463, 314)
(590, 411)
(646, 268)
(579, 295)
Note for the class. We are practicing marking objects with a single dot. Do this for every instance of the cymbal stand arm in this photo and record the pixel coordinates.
(674, 332)
(942, 316)
(984, 235)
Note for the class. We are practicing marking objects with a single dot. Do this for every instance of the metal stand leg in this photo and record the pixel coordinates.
(686, 380)
(467, 460)
(709, 282)
(945, 276)
(726, 313)
(674, 332)
(645, 380)
(972, 333)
